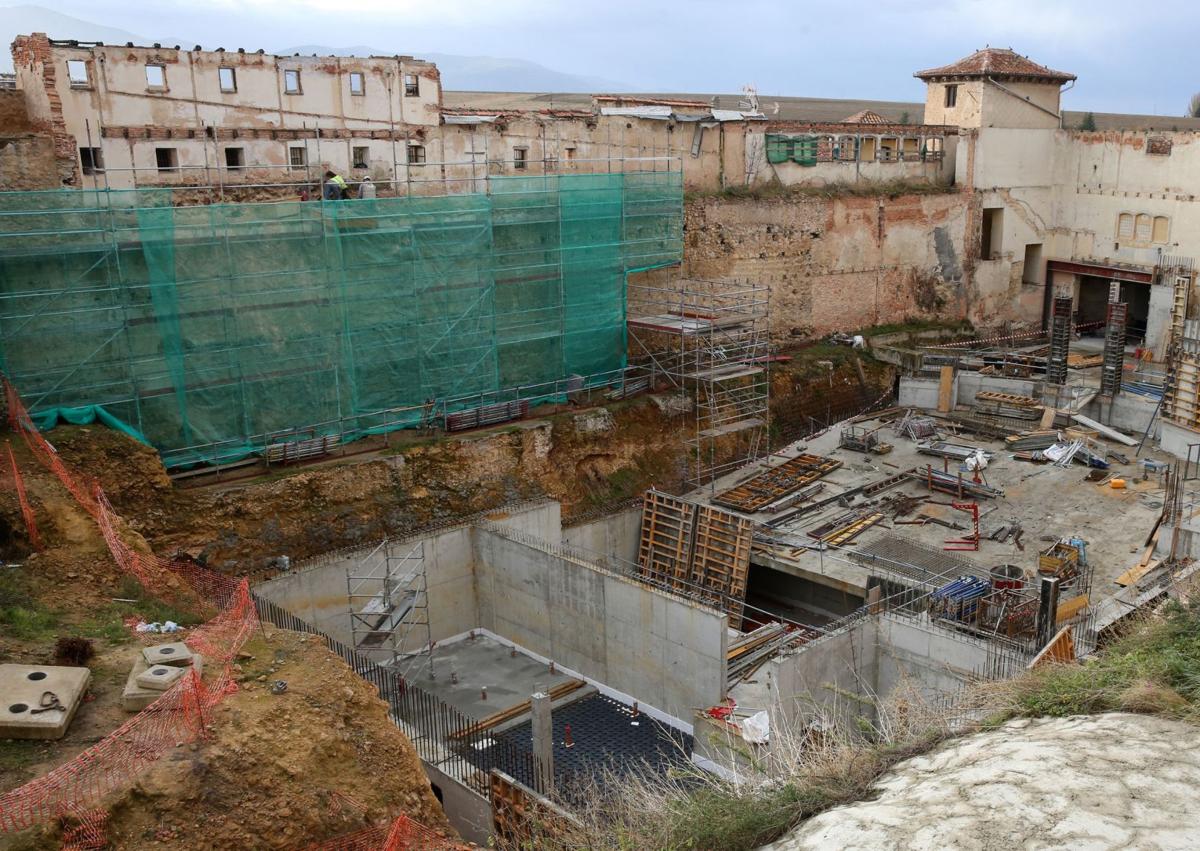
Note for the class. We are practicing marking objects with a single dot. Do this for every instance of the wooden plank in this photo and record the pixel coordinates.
(1048, 415)
(945, 389)
(1070, 608)
(1137, 572)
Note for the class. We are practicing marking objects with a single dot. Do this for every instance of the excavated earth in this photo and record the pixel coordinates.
(276, 771)
(587, 460)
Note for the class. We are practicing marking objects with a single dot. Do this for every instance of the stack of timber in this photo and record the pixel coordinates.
(991, 403)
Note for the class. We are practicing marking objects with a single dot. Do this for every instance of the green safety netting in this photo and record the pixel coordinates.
(211, 331)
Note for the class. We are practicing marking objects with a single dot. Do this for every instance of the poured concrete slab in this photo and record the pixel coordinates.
(22, 689)
(175, 653)
(134, 697)
(484, 662)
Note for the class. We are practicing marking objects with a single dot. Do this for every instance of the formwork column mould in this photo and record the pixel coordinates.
(1060, 341)
(1114, 349)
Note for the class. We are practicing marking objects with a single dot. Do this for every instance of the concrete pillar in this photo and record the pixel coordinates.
(543, 741)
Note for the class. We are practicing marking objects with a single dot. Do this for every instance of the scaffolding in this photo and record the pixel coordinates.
(709, 340)
(389, 605)
(215, 331)
(1060, 341)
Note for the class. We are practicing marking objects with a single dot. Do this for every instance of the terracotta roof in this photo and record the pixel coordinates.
(996, 62)
(866, 116)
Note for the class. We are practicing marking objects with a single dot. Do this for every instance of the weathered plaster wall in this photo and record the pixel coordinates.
(837, 263)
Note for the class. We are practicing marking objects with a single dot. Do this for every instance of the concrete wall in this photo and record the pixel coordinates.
(919, 393)
(967, 384)
(663, 650)
(317, 591)
(927, 660)
(616, 535)
(467, 812)
(829, 679)
(839, 677)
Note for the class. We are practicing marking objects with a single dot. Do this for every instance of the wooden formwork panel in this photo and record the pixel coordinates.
(772, 485)
(523, 818)
(665, 551)
(721, 556)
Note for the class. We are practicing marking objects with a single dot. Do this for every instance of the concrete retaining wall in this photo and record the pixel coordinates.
(317, 591)
(660, 649)
(615, 535)
(918, 393)
(920, 656)
(831, 678)
(840, 677)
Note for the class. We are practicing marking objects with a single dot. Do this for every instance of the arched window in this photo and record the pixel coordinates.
(1125, 227)
(1162, 229)
(1143, 228)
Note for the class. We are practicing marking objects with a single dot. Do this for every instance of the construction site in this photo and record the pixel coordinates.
(445, 517)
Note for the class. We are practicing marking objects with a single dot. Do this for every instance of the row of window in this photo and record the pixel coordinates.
(156, 79)
(1143, 228)
(91, 160)
(167, 158)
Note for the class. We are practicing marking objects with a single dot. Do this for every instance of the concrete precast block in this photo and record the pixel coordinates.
(175, 653)
(160, 677)
(26, 692)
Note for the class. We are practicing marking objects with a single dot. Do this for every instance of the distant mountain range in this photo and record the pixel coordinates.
(465, 73)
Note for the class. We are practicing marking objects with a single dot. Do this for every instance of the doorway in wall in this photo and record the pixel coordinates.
(1093, 305)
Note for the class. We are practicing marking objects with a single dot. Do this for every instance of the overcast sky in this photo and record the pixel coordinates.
(1129, 57)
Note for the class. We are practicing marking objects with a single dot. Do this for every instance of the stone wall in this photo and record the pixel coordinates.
(837, 263)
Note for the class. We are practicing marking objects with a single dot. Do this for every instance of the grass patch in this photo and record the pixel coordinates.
(109, 623)
(21, 616)
(1154, 668)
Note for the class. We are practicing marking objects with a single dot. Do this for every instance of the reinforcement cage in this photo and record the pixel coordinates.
(208, 331)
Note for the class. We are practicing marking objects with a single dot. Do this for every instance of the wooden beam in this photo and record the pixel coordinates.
(946, 390)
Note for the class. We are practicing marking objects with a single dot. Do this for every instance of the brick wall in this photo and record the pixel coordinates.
(35, 50)
(837, 263)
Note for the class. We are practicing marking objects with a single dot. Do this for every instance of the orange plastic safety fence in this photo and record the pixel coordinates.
(35, 540)
(183, 711)
(87, 834)
(403, 834)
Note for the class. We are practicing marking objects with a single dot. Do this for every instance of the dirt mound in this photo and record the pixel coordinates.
(131, 473)
(279, 771)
